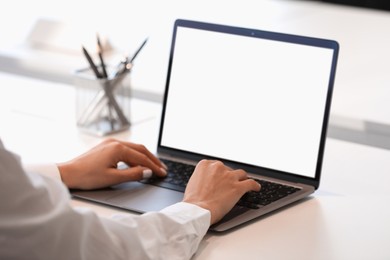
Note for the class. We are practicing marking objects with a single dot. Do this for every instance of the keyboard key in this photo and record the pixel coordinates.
(269, 192)
(180, 173)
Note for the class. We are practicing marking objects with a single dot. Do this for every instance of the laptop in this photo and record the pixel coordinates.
(254, 99)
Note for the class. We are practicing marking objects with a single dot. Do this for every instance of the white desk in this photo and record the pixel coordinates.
(347, 218)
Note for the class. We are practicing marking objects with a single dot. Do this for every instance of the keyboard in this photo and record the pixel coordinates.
(177, 178)
(180, 173)
(269, 192)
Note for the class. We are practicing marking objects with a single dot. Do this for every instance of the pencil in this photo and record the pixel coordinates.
(91, 63)
(100, 52)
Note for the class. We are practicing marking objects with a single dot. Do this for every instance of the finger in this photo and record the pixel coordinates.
(240, 174)
(138, 147)
(133, 174)
(223, 166)
(250, 185)
(142, 149)
(134, 158)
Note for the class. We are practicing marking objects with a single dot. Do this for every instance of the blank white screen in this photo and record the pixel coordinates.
(246, 99)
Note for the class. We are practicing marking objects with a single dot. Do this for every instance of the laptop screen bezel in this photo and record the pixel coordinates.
(276, 36)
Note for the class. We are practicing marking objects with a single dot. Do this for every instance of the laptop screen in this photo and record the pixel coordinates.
(248, 97)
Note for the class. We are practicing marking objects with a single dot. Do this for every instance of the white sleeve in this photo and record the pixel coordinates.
(48, 170)
(37, 221)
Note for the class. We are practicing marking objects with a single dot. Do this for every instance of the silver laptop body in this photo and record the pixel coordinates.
(256, 100)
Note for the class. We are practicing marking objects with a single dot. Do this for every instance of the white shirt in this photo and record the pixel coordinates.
(38, 222)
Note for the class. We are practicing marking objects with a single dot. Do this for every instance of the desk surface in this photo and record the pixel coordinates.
(347, 218)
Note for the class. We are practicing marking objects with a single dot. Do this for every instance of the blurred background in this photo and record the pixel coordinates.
(42, 39)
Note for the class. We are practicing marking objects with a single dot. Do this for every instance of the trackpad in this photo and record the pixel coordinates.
(134, 196)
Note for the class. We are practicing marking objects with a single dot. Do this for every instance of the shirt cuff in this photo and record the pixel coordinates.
(187, 211)
(48, 170)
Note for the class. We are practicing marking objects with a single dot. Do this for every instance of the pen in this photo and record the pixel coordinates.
(126, 64)
(139, 49)
(91, 63)
(119, 67)
(100, 52)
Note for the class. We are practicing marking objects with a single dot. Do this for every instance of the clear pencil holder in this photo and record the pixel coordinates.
(102, 105)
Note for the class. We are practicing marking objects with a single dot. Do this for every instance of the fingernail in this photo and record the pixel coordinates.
(147, 173)
(164, 171)
(164, 166)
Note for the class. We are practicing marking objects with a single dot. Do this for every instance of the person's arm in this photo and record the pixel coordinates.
(213, 186)
(173, 233)
(36, 218)
(38, 222)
